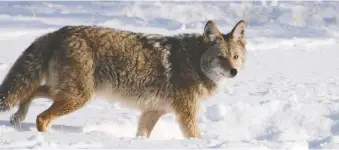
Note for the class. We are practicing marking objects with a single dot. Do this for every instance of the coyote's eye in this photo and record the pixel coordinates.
(235, 57)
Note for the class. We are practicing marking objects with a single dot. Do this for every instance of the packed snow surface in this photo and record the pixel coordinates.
(286, 97)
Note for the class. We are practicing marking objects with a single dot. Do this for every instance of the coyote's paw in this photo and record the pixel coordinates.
(16, 120)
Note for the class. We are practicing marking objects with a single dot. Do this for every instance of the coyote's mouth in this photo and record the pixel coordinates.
(226, 75)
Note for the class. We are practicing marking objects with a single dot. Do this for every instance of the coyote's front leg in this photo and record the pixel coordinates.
(186, 112)
(147, 121)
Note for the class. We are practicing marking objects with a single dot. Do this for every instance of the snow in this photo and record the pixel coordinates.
(286, 97)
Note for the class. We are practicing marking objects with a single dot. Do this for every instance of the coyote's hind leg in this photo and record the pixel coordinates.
(21, 113)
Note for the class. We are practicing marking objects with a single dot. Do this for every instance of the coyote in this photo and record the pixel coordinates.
(152, 73)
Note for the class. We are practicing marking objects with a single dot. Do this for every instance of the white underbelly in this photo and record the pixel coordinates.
(146, 102)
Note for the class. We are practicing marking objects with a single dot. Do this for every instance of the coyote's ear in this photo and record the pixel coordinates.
(211, 32)
(239, 32)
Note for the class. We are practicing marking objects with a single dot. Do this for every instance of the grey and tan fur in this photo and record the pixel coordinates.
(153, 73)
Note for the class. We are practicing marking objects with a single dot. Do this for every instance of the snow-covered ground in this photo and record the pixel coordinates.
(287, 96)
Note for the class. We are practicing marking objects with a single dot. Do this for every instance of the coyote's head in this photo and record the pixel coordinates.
(225, 53)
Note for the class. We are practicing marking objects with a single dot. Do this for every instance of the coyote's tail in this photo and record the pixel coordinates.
(25, 75)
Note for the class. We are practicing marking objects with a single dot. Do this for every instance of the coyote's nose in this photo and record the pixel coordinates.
(233, 72)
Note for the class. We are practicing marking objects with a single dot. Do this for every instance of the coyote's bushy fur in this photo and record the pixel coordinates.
(153, 73)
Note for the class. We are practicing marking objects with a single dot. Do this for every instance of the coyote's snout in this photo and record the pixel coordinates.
(152, 73)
